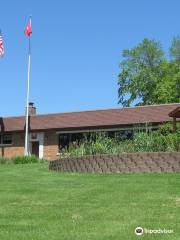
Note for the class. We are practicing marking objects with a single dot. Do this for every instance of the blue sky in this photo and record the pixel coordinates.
(76, 49)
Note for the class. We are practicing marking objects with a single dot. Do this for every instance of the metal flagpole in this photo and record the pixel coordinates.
(26, 151)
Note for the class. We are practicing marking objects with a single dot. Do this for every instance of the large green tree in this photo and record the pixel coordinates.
(175, 49)
(147, 77)
(168, 88)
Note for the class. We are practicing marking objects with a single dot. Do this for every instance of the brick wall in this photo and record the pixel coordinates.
(17, 148)
(50, 145)
(123, 163)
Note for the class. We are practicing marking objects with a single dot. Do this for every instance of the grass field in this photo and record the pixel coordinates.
(38, 204)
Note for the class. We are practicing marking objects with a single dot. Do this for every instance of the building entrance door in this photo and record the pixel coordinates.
(35, 148)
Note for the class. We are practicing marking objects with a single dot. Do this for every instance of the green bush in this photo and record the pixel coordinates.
(167, 128)
(152, 142)
(156, 142)
(161, 140)
(25, 159)
(98, 143)
(122, 147)
(173, 142)
(21, 160)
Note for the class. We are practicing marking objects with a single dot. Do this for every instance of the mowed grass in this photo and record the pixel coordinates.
(38, 204)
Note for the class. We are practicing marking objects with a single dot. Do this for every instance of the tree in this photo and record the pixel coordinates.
(168, 88)
(147, 77)
(175, 49)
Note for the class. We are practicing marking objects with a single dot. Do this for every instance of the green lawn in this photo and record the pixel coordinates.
(38, 204)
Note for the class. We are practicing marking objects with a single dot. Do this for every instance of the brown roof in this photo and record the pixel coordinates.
(175, 113)
(97, 118)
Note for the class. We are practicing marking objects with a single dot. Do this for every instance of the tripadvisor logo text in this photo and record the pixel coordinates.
(140, 231)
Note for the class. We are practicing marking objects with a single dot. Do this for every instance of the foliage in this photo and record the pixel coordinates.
(97, 144)
(166, 128)
(156, 142)
(161, 140)
(21, 160)
(24, 159)
(147, 77)
(167, 89)
(175, 49)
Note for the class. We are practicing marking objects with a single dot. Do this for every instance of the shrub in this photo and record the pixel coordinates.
(173, 142)
(25, 159)
(165, 129)
(21, 160)
(142, 142)
(98, 143)
(157, 141)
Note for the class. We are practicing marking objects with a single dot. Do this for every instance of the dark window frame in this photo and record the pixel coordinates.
(4, 141)
(66, 139)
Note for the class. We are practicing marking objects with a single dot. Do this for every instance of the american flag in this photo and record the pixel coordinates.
(1, 45)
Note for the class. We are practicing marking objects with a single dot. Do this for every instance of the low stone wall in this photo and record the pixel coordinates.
(162, 162)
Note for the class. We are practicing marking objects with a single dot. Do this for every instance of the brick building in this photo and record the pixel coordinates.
(49, 134)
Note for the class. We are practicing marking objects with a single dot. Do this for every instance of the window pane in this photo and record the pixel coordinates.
(111, 134)
(7, 139)
(124, 134)
(64, 140)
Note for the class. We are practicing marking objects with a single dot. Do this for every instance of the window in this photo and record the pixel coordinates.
(64, 140)
(111, 134)
(6, 139)
(68, 138)
(124, 134)
(76, 137)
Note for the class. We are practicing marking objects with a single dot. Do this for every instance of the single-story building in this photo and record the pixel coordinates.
(50, 133)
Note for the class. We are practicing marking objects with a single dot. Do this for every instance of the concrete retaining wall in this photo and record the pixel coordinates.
(162, 162)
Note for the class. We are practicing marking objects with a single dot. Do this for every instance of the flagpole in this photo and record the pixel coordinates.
(26, 151)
